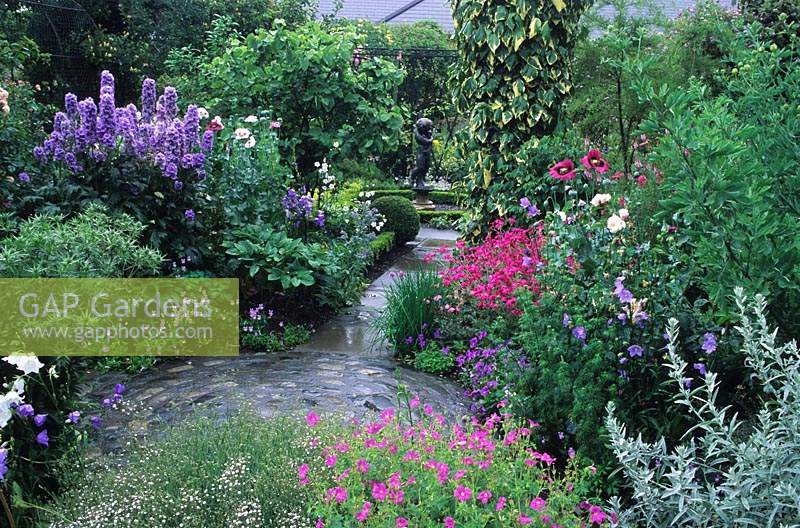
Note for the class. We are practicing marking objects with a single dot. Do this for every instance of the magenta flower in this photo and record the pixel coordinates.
(594, 160)
(401, 522)
(379, 491)
(312, 419)
(339, 494)
(501, 503)
(524, 519)
(449, 522)
(564, 170)
(362, 465)
(484, 496)
(538, 504)
(462, 493)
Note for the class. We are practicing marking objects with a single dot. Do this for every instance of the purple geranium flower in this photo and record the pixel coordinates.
(709, 343)
(96, 421)
(24, 177)
(26, 410)
(43, 439)
(635, 351)
(189, 214)
(579, 333)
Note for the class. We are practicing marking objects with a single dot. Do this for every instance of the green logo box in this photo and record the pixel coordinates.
(125, 317)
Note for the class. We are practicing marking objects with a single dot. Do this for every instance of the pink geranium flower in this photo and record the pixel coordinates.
(564, 170)
(538, 504)
(312, 419)
(462, 493)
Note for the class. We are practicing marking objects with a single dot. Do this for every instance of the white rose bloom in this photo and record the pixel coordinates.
(600, 199)
(615, 223)
(251, 119)
(27, 364)
(624, 214)
(202, 112)
(250, 142)
(241, 133)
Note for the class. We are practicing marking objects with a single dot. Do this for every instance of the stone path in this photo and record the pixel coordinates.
(342, 369)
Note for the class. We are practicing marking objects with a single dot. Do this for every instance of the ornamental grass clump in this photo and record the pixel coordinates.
(723, 474)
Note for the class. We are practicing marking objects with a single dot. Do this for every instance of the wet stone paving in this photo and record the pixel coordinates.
(343, 369)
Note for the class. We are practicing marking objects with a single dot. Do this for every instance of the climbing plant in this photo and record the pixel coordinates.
(514, 74)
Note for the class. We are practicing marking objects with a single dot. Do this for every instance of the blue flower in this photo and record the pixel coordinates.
(25, 410)
(635, 351)
(579, 333)
(74, 417)
(39, 419)
(43, 439)
(709, 343)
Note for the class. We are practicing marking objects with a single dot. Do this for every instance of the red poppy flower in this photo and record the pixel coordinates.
(564, 170)
(594, 160)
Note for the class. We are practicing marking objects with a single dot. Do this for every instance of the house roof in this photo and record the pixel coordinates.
(400, 11)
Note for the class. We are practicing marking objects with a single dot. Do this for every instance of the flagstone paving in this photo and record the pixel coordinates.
(343, 368)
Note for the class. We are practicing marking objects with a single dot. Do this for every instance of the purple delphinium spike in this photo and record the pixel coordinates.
(191, 126)
(71, 106)
(148, 100)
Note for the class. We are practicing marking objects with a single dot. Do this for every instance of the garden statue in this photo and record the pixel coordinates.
(423, 133)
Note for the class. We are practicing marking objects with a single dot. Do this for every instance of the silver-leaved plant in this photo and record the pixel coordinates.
(726, 472)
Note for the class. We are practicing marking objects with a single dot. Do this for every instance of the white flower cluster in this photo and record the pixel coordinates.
(16, 393)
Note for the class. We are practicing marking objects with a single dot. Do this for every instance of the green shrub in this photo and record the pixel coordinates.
(513, 76)
(92, 244)
(726, 472)
(382, 244)
(401, 217)
(434, 360)
(342, 111)
(368, 173)
(205, 473)
(411, 311)
(731, 169)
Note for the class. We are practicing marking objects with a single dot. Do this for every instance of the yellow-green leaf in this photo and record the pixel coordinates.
(560, 5)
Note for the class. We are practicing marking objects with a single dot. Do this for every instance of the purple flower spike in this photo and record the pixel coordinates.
(148, 99)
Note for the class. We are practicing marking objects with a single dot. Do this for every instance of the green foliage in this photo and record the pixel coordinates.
(382, 244)
(513, 76)
(137, 37)
(267, 258)
(368, 173)
(34, 471)
(92, 244)
(329, 106)
(434, 360)
(206, 472)
(731, 168)
(260, 336)
(449, 217)
(438, 197)
(401, 217)
(781, 18)
(726, 472)
(410, 310)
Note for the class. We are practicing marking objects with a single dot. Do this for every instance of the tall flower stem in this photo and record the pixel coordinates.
(6, 509)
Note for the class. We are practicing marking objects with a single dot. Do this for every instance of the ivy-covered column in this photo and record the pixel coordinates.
(514, 74)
